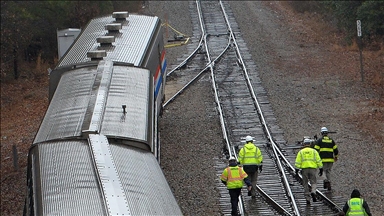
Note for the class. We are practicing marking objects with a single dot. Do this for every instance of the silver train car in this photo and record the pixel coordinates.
(97, 149)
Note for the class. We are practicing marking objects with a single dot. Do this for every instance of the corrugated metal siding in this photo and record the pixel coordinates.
(132, 48)
(129, 49)
(144, 183)
(66, 111)
(130, 87)
(69, 184)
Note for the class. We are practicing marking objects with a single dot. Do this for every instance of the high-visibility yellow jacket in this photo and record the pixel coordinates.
(250, 155)
(233, 176)
(356, 207)
(308, 158)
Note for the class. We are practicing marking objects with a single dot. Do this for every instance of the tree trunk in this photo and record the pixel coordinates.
(15, 64)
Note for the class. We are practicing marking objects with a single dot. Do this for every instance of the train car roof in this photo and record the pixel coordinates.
(127, 43)
(113, 183)
(90, 100)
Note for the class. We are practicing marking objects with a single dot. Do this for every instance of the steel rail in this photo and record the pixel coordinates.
(210, 66)
(196, 77)
(188, 58)
(219, 108)
(277, 206)
(276, 149)
(285, 179)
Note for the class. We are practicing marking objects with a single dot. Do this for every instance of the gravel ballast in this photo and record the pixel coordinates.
(308, 88)
(311, 81)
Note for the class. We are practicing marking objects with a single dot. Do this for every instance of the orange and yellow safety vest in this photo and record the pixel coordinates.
(234, 176)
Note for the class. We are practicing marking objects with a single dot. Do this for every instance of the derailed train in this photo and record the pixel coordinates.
(97, 149)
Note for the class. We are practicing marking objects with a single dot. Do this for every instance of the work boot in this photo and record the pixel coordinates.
(313, 195)
(324, 184)
(327, 185)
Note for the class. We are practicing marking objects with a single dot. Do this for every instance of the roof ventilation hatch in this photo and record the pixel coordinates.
(96, 54)
(120, 16)
(105, 40)
(113, 27)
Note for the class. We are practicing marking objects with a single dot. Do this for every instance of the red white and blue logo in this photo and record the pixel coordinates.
(160, 73)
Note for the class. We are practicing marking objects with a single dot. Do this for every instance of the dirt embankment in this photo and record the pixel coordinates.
(317, 53)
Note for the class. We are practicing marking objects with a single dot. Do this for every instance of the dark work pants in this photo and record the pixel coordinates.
(253, 178)
(234, 193)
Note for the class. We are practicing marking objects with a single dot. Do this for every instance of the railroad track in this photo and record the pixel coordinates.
(244, 109)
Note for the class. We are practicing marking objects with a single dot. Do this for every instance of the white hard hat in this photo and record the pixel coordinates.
(232, 158)
(248, 139)
(324, 130)
(307, 141)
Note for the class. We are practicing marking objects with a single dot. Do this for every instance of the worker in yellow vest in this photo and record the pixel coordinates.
(233, 177)
(308, 160)
(356, 206)
(251, 159)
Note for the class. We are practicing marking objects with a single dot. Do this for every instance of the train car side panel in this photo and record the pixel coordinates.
(132, 43)
(145, 185)
(155, 60)
(131, 87)
(97, 148)
(66, 112)
(89, 102)
(70, 184)
(66, 179)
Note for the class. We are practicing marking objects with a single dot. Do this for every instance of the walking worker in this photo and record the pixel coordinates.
(356, 206)
(329, 152)
(251, 159)
(233, 177)
(308, 160)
